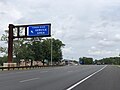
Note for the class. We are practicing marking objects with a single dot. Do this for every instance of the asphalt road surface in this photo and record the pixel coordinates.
(81, 77)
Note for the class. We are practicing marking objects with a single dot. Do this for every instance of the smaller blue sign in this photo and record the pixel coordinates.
(42, 30)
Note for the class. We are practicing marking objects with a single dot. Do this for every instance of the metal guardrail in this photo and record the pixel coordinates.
(26, 67)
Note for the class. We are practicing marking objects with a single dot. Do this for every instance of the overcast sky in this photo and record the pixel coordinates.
(87, 27)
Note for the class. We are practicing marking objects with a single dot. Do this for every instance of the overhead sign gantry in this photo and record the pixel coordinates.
(34, 30)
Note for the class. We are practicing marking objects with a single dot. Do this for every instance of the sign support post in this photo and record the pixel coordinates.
(10, 43)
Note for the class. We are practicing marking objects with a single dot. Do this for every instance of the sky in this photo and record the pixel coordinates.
(88, 28)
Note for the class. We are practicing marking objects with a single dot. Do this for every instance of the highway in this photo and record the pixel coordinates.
(81, 77)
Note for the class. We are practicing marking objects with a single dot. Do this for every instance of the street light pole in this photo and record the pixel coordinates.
(51, 50)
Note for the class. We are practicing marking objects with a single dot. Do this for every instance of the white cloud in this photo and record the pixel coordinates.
(117, 37)
(99, 53)
(8, 14)
(105, 42)
(67, 50)
(102, 52)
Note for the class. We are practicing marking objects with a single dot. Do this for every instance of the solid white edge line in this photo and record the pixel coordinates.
(70, 88)
(29, 80)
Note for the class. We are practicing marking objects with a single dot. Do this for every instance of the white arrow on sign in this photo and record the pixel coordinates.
(32, 31)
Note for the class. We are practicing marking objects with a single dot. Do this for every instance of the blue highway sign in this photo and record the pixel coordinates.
(41, 30)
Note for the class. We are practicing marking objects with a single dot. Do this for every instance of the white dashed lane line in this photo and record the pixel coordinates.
(27, 80)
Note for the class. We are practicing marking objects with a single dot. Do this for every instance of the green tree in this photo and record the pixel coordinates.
(37, 50)
(3, 60)
(30, 49)
(5, 39)
(57, 52)
(86, 60)
(57, 46)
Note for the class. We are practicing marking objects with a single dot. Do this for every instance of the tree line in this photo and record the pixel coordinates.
(86, 60)
(34, 49)
(109, 60)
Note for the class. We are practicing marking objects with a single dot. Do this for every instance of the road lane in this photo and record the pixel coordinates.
(59, 78)
(107, 79)
(81, 81)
